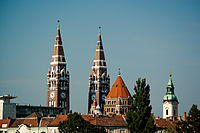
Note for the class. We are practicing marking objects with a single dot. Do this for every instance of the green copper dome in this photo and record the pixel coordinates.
(170, 95)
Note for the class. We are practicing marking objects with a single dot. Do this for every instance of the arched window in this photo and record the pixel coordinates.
(63, 73)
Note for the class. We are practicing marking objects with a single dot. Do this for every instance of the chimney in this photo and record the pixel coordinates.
(184, 116)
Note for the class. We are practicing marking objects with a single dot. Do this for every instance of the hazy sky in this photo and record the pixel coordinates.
(145, 39)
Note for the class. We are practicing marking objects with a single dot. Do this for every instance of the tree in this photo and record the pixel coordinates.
(192, 124)
(76, 124)
(140, 120)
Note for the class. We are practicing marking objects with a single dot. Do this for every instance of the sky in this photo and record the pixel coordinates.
(145, 39)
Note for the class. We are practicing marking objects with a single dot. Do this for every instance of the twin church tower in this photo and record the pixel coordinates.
(101, 100)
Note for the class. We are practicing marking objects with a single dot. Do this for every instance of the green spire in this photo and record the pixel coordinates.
(170, 83)
(170, 95)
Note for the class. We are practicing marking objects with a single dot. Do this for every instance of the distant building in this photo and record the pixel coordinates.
(25, 110)
(58, 77)
(99, 80)
(7, 109)
(33, 123)
(162, 125)
(119, 100)
(12, 110)
(36, 123)
(170, 101)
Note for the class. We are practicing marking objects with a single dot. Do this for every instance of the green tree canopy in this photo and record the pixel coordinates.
(192, 124)
(140, 119)
(76, 124)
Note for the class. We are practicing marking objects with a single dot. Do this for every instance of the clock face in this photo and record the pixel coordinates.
(52, 95)
(63, 95)
(103, 97)
(93, 97)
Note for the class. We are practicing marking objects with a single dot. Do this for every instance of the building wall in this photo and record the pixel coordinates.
(25, 129)
(117, 106)
(52, 130)
(25, 110)
(7, 110)
(170, 106)
(116, 130)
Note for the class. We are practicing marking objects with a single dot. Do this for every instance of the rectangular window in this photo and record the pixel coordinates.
(4, 125)
(174, 112)
(167, 112)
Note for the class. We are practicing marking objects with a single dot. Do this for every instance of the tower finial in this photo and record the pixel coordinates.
(58, 23)
(119, 72)
(170, 73)
(99, 30)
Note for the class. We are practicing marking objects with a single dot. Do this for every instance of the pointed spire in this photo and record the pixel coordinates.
(170, 95)
(170, 83)
(58, 48)
(58, 24)
(99, 37)
(99, 54)
(99, 30)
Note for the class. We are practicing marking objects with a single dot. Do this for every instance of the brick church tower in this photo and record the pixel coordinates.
(58, 77)
(99, 80)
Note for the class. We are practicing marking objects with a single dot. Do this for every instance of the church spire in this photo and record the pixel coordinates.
(58, 52)
(170, 83)
(170, 101)
(99, 81)
(58, 77)
(170, 95)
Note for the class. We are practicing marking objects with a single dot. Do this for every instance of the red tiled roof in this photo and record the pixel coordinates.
(33, 115)
(115, 121)
(57, 120)
(32, 122)
(163, 123)
(119, 89)
(104, 121)
(46, 121)
(5, 121)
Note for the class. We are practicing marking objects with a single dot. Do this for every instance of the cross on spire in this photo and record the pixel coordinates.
(119, 72)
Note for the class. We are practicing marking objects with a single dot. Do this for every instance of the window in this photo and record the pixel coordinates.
(4, 125)
(122, 131)
(167, 112)
(174, 112)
